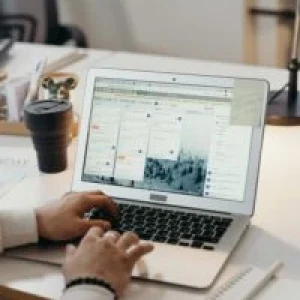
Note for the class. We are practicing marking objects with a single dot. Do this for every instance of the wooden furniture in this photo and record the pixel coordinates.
(282, 30)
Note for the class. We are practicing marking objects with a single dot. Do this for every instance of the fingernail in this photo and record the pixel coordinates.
(107, 225)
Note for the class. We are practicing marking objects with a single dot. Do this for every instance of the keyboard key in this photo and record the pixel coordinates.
(186, 236)
(150, 224)
(161, 227)
(138, 230)
(159, 239)
(172, 241)
(213, 240)
(207, 233)
(227, 220)
(181, 243)
(162, 222)
(207, 247)
(197, 244)
(209, 227)
(163, 233)
(174, 235)
(126, 228)
(172, 227)
(146, 236)
(222, 223)
(207, 239)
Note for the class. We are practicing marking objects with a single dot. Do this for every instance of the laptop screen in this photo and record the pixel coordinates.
(169, 137)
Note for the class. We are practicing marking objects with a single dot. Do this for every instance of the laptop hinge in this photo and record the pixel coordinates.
(158, 204)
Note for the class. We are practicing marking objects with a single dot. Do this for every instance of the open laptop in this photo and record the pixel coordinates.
(180, 155)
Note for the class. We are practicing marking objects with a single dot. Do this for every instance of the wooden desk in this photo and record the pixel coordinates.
(275, 230)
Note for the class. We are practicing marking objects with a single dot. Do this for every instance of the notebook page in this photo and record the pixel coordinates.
(15, 165)
(280, 289)
(238, 286)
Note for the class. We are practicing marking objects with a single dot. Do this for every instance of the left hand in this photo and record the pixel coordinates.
(64, 219)
(108, 256)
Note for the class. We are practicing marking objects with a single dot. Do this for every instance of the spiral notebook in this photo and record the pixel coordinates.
(239, 286)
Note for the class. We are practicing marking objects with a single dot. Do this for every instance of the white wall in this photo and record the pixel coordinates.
(207, 29)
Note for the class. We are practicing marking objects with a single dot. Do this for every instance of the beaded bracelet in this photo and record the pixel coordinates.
(91, 281)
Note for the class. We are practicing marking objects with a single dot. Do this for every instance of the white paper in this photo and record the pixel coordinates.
(15, 165)
(16, 91)
(280, 289)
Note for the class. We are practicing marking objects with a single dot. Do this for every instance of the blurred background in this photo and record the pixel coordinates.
(243, 31)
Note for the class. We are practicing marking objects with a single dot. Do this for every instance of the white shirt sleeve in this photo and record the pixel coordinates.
(87, 292)
(17, 228)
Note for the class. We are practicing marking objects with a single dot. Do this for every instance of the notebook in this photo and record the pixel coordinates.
(239, 286)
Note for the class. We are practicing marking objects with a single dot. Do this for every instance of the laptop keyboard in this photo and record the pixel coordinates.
(167, 226)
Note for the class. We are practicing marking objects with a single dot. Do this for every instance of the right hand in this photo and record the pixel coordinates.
(110, 257)
(51, 218)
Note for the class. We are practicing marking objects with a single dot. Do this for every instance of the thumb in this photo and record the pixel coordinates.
(100, 201)
(70, 250)
(136, 252)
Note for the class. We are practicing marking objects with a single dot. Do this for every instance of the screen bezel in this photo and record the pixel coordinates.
(245, 207)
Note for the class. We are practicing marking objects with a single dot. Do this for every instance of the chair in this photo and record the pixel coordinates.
(58, 34)
(45, 14)
(20, 27)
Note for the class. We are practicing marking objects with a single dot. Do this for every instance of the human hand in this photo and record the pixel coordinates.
(108, 256)
(64, 219)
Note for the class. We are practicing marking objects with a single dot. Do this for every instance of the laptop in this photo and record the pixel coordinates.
(180, 155)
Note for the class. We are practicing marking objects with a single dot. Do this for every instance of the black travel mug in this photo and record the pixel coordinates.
(49, 122)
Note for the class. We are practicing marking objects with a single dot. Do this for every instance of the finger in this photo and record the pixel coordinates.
(70, 250)
(101, 201)
(68, 193)
(98, 192)
(127, 240)
(101, 223)
(112, 236)
(86, 224)
(137, 251)
(93, 234)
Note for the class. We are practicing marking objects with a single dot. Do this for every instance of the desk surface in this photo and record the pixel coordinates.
(275, 230)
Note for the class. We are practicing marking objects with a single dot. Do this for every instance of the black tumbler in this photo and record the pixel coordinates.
(49, 122)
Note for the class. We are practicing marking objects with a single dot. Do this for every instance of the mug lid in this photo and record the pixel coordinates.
(42, 107)
(44, 115)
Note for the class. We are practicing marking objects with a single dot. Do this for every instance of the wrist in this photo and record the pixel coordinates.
(92, 281)
(40, 224)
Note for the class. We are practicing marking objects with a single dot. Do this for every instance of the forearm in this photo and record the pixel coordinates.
(17, 228)
(87, 292)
